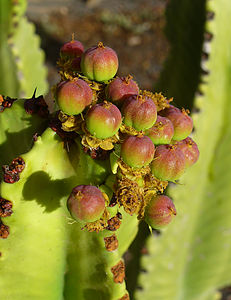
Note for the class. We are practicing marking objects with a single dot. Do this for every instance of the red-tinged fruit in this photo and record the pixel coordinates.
(181, 121)
(137, 151)
(139, 112)
(86, 203)
(190, 151)
(120, 89)
(162, 131)
(73, 96)
(103, 120)
(75, 64)
(71, 49)
(99, 63)
(168, 163)
(159, 212)
(168, 110)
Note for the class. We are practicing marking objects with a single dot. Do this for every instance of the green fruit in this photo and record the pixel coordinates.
(71, 49)
(103, 120)
(139, 112)
(99, 63)
(181, 121)
(168, 163)
(190, 151)
(162, 131)
(86, 203)
(120, 89)
(137, 151)
(159, 212)
(73, 96)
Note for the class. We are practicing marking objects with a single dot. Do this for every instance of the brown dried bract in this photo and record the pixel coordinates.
(113, 224)
(97, 153)
(113, 200)
(98, 225)
(4, 230)
(125, 297)
(5, 102)
(128, 171)
(18, 164)
(118, 272)
(11, 172)
(153, 183)
(128, 130)
(111, 242)
(130, 196)
(9, 177)
(152, 186)
(92, 142)
(5, 207)
(56, 125)
(71, 123)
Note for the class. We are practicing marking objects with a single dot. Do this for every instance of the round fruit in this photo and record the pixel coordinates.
(99, 63)
(103, 120)
(162, 131)
(73, 96)
(121, 88)
(137, 151)
(159, 211)
(168, 163)
(190, 151)
(71, 49)
(181, 121)
(86, 203)
(139, 112)
(168, 110)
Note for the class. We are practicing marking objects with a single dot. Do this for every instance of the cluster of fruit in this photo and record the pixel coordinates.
(146, 137)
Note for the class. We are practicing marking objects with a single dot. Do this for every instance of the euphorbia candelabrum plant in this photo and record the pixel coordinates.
(102, 165)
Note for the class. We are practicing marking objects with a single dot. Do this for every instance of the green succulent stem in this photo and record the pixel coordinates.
(19, 51)
(192, 257)
(73, 262)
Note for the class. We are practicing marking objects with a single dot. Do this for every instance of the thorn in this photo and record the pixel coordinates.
(34, 94)
(210, 15)
(204, 71)
(205, 56)
(199, 93)
(208, 36)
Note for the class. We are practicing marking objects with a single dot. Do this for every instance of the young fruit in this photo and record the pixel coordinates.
(137, 151)
(139, 112)
(181, 121)
(73, 96)
(103, 120)
(168, 110)
(168, 163)
(190, 151)
(159, 211)
(162, 131)
(121, 88)
(71, 49)
(86, 203)
(99, 63)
